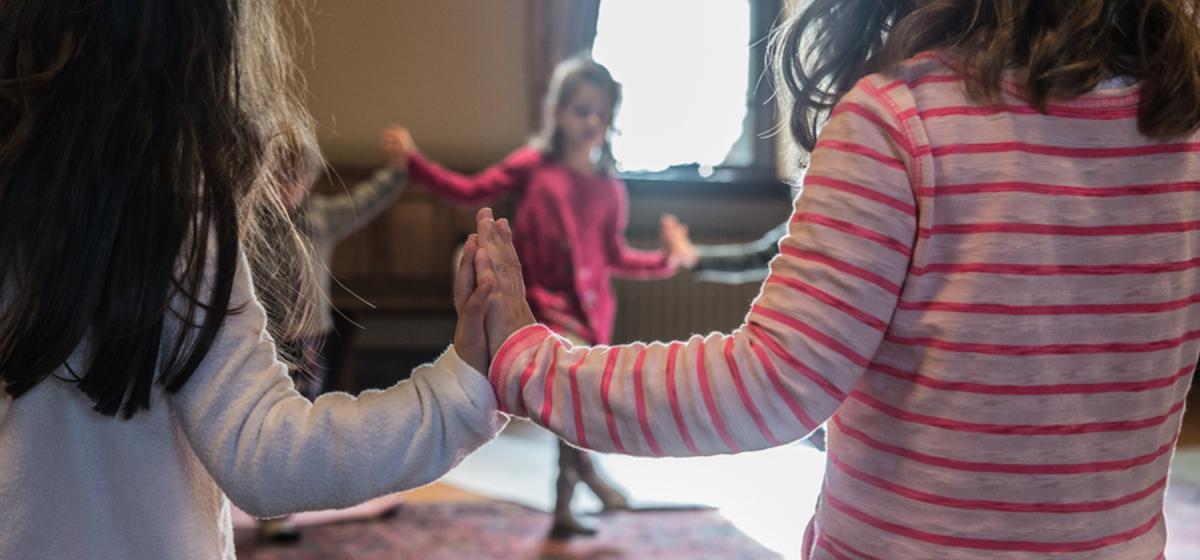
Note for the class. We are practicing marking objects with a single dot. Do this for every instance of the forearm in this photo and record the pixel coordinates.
(343, 213)
(643, 265)
(751, 259)
(278, 453)
(459, 188)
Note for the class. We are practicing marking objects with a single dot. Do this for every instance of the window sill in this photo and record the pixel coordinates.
(686, 180)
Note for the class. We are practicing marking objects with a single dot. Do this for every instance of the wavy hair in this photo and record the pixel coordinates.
(1062, 49)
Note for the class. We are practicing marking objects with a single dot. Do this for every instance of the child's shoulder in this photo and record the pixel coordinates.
(898, 90)
(525, 157)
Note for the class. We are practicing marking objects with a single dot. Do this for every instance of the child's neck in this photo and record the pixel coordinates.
(580, 160)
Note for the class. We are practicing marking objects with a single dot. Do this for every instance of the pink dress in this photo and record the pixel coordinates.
(569, 230)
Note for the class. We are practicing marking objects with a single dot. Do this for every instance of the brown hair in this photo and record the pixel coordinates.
(1062, 48)
(568, 76)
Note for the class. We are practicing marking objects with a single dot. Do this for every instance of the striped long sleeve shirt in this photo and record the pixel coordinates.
(994, 309)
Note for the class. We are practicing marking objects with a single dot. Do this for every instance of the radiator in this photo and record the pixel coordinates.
(677, 308)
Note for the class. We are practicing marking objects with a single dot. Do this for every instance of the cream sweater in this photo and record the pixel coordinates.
(75, 484)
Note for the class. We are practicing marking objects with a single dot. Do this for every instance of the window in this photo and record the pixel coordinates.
(693, 99)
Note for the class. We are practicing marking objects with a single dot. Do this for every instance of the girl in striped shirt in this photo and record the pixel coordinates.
(988, 290)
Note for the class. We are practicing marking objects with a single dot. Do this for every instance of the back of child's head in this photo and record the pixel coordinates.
(1060, 48)
(134, 142)
(298, 164)
(568, 77)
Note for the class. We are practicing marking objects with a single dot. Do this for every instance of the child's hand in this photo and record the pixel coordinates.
(470, 300)
(678, 245)
(398, 144)
(507, 311)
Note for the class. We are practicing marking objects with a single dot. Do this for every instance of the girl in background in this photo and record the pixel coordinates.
(570, 214)
(988, 286)
(324, 220)
(147, 264)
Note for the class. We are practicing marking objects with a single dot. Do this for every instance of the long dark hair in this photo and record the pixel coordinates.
(1063, 48)
(567, 77)
(135, 147)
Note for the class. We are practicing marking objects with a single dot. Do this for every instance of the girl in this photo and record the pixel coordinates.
(147, 265)
(571, 215)
(324, 220)
(988, 287)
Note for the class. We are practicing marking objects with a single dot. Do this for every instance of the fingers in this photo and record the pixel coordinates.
(503, 264)
(464, 279)
(472, 314)
(472, 309)
(485, 276)
(470, 335)
(484, 221)
(507, 265)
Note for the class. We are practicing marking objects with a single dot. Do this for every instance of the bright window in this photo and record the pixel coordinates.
(685, 66)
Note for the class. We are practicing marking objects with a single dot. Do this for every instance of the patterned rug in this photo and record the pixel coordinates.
(494, 530)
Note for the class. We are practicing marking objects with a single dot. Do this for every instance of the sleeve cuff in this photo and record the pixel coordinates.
(520, 341)
(473, 384)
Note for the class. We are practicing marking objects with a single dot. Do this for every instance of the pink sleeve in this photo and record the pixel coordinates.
(625, 261)
(812, 331)
(504, 177)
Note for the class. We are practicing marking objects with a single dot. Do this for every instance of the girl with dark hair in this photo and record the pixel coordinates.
(988, 287)
(147, 264)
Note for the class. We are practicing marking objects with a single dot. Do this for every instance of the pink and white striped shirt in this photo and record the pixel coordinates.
(994, 309)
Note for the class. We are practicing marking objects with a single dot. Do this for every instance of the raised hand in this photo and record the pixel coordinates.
(398, 144)
(471, 301)
(507, 310)
(677, 243)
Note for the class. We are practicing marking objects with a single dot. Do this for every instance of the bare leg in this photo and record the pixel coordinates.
(566, 524)
(612, 498)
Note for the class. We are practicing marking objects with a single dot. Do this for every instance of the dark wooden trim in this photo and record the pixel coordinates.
(746, 186)
(764, 16)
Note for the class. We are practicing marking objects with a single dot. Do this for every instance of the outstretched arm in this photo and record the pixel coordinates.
(273, 452)
(502, 178)
(340, 214)
(812, 331)
(625, 261)
(739, 262)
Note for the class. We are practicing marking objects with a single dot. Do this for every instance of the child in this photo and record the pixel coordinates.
(324, 220)
(141, 384)
(570, 215)
(988, 287)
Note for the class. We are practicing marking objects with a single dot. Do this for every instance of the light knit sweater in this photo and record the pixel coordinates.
(75, 484)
